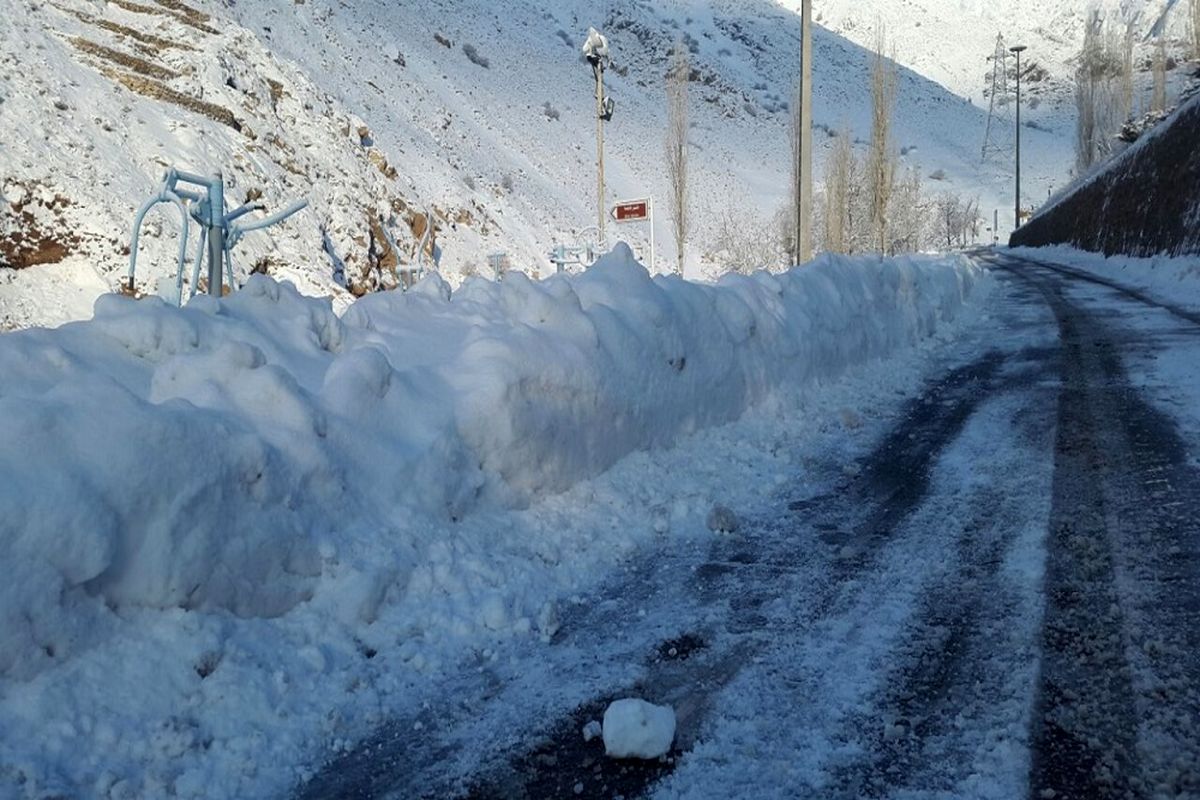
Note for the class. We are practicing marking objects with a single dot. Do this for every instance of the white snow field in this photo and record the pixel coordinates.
(239, 532)
(375, 112)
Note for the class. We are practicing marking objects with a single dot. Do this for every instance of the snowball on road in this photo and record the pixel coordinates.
(634, 728)
(722, 520)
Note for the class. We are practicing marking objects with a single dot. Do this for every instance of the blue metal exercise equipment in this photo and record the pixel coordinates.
(219, 232)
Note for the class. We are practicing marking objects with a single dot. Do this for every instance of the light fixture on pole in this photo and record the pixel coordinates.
(595, 50)
(1018, 49)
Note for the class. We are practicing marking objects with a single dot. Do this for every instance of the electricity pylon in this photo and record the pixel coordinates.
(997, 139)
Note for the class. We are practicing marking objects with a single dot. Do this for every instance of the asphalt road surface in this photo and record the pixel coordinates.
(999, 598)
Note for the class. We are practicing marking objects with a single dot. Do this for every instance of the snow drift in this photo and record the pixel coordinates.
(206, 457)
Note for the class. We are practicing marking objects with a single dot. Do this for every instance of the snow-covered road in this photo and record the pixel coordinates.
(995, 593)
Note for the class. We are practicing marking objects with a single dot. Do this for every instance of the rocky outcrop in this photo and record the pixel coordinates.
(32, 228)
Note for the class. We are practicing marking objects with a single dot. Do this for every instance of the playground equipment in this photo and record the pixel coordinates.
(219, 231)
(584, 253)
(410, 274)
(500, 264)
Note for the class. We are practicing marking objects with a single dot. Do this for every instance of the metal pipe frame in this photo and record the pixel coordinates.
(219, 231)
(165, 195)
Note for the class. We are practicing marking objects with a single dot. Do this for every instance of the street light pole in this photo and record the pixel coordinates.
(803, 144)
(598, 68)
(595, 49)
(1018, 49)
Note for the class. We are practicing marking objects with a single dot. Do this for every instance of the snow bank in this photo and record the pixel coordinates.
(212, 457)
(1172, 279)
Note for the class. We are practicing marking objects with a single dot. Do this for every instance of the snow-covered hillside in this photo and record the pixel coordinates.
(375, 112)
(478, 113)
(99, 99)
(943, 39)
(951, 41)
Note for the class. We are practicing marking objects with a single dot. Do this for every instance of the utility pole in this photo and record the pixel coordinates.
(1018, 49)
(803, 144)
(595, 49)
(598, 68)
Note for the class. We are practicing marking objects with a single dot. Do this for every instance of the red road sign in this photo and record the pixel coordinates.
(632, 211)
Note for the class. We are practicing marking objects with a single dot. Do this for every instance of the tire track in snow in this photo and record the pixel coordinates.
(895, 478)
(745, 574)
(1129, 292)
(1119, 699)
(957, 688)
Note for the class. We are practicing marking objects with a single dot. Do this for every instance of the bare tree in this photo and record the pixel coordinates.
(838, 169)
(1127, 73)
(1085, 120)
(1085, 96)
(1085, 127)
(678, 79)
(881, 161)
(958, 220)
(910, 211)
(1158, 98)
(949, 213)
(742, 242)
(1195, 8)
(859, 236)
(968, 224)
(1098, 92)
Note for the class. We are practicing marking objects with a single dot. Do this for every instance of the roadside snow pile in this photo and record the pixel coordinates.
(202, 458)
(229, 529)
(634, 728)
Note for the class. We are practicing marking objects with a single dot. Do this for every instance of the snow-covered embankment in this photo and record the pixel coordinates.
(291, 480)
(202, 457)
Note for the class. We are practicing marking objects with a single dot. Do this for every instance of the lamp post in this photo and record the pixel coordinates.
(803, 144)
(595, 50)
(1018, 49)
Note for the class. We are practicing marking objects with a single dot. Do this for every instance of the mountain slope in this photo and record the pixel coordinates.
(478, 115)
